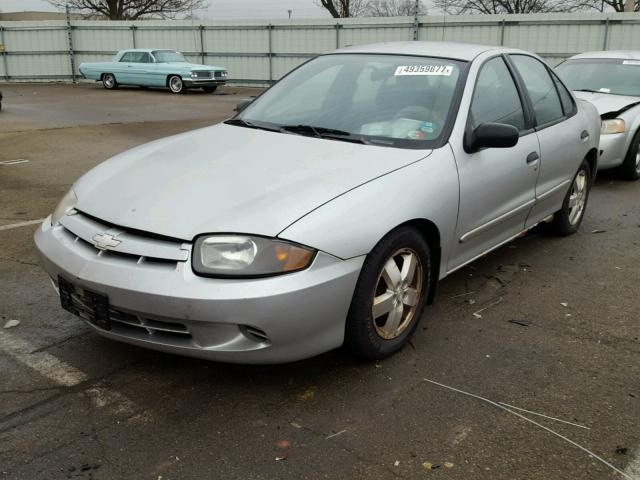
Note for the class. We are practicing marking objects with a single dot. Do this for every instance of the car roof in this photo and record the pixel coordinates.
(148, 50)
(630, 54)
(454, 50)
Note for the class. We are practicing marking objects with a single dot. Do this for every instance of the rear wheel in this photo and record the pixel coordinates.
(630, 168)
(109, 81)
(567, 220)
(210, 89)
(176, 85)
(390, 295)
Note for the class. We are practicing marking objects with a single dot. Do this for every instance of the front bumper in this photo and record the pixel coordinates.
(195, 83)
(167, 307)
(614, 149)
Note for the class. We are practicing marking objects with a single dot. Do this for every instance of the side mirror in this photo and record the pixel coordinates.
(493, 135)
(242, 105)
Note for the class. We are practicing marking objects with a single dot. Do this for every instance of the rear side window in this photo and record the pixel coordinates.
(496, 99)
(541, 88)
(568, 105)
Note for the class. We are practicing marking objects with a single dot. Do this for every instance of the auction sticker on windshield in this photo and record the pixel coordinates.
(424, 70)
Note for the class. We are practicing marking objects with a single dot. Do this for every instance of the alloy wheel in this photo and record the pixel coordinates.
(638, 160)
(578, 197)
(397, 293)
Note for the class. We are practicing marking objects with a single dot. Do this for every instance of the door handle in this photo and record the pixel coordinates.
(533, 157)
(584, 136)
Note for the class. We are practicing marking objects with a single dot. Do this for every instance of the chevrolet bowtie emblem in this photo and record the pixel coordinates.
(105, 241)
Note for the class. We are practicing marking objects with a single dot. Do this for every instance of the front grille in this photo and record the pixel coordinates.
(203, 74)
(218, 74)
(92, 236)
(83, 304)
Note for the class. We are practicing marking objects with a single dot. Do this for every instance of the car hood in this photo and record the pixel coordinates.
(229, 179)
(607, 103)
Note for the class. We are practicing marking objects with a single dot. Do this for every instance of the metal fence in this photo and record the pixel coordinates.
(261, 52)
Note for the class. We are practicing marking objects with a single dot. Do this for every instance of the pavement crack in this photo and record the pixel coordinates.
(21, 262)
(59, 343)
(29, 390)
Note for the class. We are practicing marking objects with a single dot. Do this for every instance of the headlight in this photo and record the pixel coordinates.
(67, 203)
(615, 125)
(194, 75)
(247, 256)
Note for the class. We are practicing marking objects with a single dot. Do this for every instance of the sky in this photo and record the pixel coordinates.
(218, 9)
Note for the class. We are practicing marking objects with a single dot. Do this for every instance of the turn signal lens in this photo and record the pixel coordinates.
(615, 125)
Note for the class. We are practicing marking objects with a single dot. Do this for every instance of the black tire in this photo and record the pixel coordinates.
(210, 89)
(109, 81)
(176, 85)
(564, 222)
(630, 168)
(362, 332)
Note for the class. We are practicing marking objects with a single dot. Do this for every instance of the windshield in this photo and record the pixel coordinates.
(606, 75)
(401, 101)
(166, 56)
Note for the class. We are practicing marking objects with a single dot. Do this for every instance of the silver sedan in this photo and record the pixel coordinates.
(326, 211)
(611, 81)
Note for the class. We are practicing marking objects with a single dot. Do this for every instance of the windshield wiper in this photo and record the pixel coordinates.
(243, 123)
(322, 132)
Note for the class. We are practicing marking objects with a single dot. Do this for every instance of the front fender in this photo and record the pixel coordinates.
(353, 223)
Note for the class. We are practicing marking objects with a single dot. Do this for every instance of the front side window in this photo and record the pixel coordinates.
(127, 57)
(616, 76)
(541, 89)
(401, 101)
(168, 56)
(495, 98)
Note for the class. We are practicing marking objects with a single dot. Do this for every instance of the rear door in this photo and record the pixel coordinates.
(497, 185)
(559, 130)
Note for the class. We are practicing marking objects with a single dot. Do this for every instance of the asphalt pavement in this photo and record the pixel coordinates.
(545, 328)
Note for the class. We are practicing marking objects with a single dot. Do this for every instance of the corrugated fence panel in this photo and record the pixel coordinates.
(249, 40)
(260, 52)
(624, 37)
(357, 35)
(102, 40)
(47, 39)
(302, 40)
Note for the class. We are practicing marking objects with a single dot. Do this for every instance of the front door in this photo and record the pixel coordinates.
(497, 185)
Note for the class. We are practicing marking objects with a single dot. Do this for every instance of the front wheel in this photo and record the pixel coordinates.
(210, 89)
(630, 169)
(567, 220)
(390, 295)
(176, 85)
(109, 81)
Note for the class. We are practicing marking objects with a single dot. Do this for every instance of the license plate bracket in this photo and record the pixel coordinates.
(87, 304)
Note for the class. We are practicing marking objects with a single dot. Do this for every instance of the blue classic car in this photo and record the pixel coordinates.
(154, 68)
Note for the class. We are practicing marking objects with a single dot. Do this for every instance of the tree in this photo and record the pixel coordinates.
(131, 9)
(394, 8)
(619, 5)
(344, 8)
(456, 7)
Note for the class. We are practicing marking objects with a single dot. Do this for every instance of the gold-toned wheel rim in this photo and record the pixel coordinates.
(397, 295)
